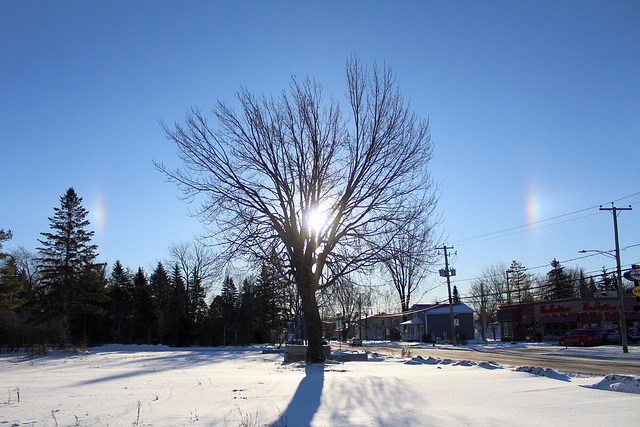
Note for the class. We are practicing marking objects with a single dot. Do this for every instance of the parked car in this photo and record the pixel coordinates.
(633, 335)
(610, 336)
(355, 342)
(582, 337)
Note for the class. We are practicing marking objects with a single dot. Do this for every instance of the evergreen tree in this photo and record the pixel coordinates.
(70, 275)
(178, 327)
(520, 283)
(582, 284)
(146, 314)
(229, 307)
(592, 289)
(4, 236)
(119, 294)
(197, 304)
(455, 295)
(160, 285)
(270, 311)
(214, 328)
(247, 311)
(10, 282)
(559, 283)
(90, 303)
(608, 282)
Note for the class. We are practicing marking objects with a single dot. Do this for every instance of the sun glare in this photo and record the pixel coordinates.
(316, 219)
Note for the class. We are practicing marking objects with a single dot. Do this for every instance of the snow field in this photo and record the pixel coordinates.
(158, 386)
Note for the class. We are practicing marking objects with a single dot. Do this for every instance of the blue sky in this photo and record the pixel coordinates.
(534, 110)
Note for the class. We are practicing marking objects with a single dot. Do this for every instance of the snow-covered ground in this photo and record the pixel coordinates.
(161, 386)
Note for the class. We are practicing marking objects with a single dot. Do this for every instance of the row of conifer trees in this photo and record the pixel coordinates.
(63, 296)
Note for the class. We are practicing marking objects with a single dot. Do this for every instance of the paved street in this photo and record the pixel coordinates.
(542, 356)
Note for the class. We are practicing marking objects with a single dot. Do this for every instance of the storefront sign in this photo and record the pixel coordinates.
(636, 291)
(587, 306)
(633, 274)
(554, 308)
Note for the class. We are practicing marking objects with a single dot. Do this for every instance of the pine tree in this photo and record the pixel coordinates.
(177, 324)
(160, 285)
(270, 311)
(229, 306)
(10, 282)
(608, 281)
(4, 236)
(582, 285)
(455, 297)
(214, 327)
(146, 314)
(559, 283)
(120, 302)
(592, 289)
(247, 310)
(197, 300)
(520, 283)
(70, 275)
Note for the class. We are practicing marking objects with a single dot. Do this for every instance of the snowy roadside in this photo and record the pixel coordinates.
(603, 350)
(162, 386)
(612, 382)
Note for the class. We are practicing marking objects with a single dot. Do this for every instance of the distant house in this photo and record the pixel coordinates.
(425, 320)
(381, 326)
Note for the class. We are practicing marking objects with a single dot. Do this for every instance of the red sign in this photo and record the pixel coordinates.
(586, 306)
(553, 308)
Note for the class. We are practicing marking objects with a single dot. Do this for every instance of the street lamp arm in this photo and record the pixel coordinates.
(584, 251)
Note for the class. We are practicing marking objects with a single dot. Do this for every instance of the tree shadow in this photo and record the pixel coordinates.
(306, 400)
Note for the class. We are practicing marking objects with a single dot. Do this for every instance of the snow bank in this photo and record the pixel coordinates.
(621, 383)
(419, 360)
(543, 372)
(490, 365)
(130, 347)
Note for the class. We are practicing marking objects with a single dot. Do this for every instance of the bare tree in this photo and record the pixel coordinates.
(487, 292)
(410, 253)
(28, 268)
(350, 301)
(267, 171)
(198, 263)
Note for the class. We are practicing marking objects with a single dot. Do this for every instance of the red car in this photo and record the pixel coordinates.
(582, 337)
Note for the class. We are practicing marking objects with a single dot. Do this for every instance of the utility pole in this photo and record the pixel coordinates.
(360, 314)
(447, 273)
(623, 320)
(483, 312)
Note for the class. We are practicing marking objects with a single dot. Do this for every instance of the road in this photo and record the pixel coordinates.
(542, 356)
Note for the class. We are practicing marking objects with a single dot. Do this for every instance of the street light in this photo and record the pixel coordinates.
(623, 320)
(605, 253)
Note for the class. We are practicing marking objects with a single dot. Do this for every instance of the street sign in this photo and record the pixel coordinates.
(636, 291)
(633, 274)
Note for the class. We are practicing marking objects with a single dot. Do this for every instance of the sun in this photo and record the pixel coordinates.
(316, 219)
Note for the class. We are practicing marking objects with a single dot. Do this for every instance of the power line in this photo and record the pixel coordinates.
(626, 266)
(529, 226)
(498, 233)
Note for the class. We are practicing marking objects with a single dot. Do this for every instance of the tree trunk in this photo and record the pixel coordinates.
(312, 321)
